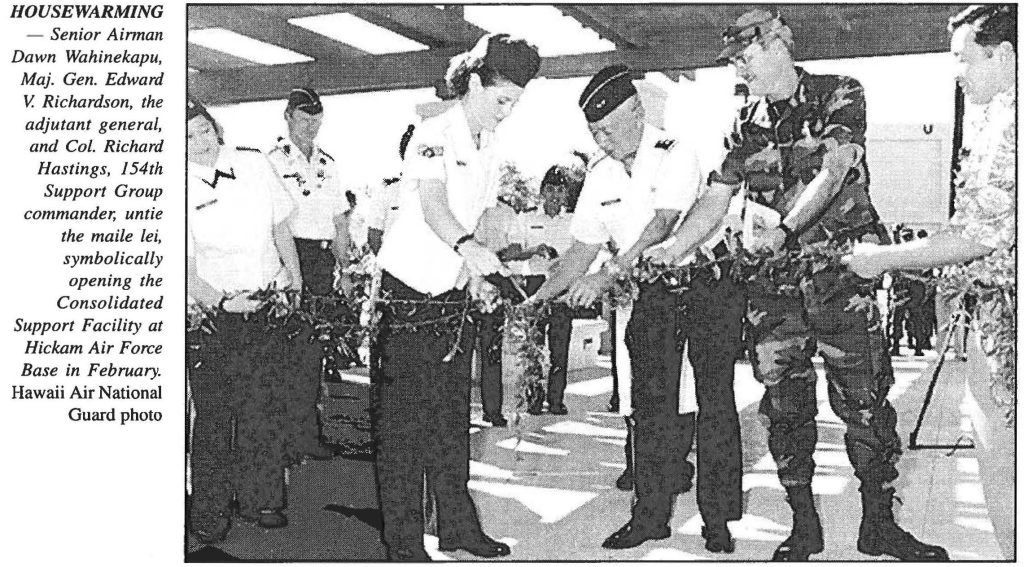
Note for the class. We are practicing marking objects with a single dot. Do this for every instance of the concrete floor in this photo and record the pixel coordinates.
(547, 487)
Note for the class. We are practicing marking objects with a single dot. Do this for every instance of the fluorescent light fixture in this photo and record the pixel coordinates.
(544, 26)
(358, 33)
(245, 47)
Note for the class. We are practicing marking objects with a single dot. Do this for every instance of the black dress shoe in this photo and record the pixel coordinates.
(482, 546)
(497, 420)
(632, 535)
(718, 539)
(558, 409)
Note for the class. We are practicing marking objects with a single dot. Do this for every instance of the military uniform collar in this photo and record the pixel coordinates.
(291, 149)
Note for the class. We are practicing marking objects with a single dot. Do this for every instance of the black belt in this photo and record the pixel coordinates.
(315, 242)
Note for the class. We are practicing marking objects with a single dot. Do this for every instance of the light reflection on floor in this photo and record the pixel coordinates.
(548, 475)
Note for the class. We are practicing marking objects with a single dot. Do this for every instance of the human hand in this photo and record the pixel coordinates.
(772, 240)
(343, 283)
(484, 294)
(480, 261)
(588, 289)
(867, 260)
(240, 304)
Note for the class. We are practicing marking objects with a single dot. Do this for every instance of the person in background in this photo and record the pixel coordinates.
(798, 147)
(421, 391)
(320, 222)
(544, 237)
(320, 228)
(239, 243)
(980, 243)
(496, 230)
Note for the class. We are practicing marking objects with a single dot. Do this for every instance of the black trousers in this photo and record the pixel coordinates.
(713, 325)
(487, 341)
(240, 380)
(663, 438)
(316, 261)
(421, 419)
(559, 333)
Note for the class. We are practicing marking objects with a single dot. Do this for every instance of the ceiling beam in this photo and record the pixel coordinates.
(203, 58)
(911, 29)
(372, 73)
(256, 24)
(583, 16)
(425, 24)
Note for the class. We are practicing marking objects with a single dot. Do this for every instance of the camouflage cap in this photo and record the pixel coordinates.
(752, 26)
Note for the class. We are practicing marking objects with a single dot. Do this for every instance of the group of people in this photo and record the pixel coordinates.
(797, 147)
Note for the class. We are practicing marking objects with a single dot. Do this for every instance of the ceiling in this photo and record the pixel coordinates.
(647, 37)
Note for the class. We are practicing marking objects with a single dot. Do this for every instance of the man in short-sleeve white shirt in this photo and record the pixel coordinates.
(320, 221)
(634, 195)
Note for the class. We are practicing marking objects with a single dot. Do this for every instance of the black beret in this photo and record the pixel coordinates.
(514, 59)
(609, 88)
(306, 100)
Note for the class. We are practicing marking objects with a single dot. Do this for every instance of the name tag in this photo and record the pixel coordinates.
(206, 204)
(611, 202)
(461, 163)
(537, 227)
(394, 208)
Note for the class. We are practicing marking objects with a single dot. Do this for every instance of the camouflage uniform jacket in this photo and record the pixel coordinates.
(777, 149)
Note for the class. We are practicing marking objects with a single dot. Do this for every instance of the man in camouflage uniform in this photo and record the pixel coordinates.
(798, 145)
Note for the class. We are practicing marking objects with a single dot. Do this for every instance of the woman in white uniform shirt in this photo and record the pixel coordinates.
(238, 242)
(421, 395)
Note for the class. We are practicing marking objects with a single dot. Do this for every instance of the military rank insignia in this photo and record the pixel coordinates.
(665, 144)
(430, 151)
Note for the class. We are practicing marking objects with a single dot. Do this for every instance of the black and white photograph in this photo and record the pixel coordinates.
(599, 282)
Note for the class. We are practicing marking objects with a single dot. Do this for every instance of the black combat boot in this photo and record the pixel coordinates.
(625, 480)
(879, 534)
(805, 539)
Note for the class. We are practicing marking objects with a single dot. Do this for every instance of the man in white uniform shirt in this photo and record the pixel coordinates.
(634, 195)
(320, 221)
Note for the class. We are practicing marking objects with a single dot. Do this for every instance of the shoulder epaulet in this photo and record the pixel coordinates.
(247, 149)
(665, 144)
(327, 155)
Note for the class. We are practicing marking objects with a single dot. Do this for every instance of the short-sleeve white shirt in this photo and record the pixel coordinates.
(314, 186)
(442, 150)
(617, 206)
(232, 210)
(385, 203)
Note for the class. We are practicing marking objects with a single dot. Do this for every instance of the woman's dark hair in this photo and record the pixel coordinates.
(992, 23)
(403, 144)
(495, 57)
(196, 108)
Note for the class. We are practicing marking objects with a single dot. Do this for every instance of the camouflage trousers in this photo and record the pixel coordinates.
(834, 313)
